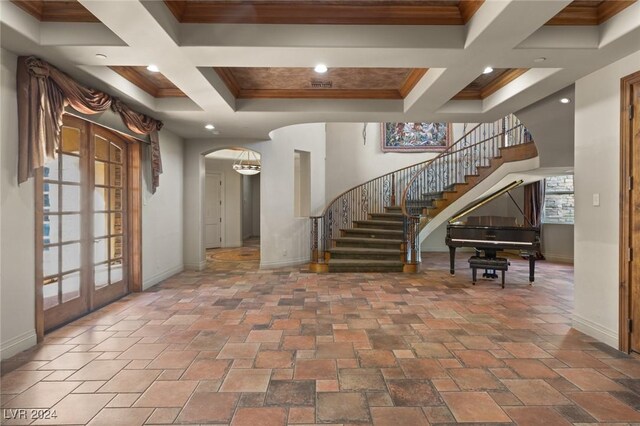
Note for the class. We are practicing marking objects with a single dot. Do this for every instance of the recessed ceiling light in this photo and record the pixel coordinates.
(209, 127)
(540, 59)
(487, 70)
(565, 100)
(320, 68)
(101, 56)
(153, 68)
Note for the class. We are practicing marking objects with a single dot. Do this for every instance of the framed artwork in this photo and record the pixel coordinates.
(415, 137)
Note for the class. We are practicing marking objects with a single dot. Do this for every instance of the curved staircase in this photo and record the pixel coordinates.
(366, 229)
(372, 245)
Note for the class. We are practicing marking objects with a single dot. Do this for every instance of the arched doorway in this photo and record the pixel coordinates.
(232, 208)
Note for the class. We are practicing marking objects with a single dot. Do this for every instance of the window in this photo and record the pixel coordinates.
(559, 200)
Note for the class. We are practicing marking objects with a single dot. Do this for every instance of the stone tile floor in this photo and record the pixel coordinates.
(237, 345)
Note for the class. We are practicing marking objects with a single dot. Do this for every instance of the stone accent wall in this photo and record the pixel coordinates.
(559, 207)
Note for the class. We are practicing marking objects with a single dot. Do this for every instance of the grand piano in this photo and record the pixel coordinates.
(490, 234)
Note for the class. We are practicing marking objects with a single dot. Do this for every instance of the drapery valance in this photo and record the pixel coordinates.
(43, 93)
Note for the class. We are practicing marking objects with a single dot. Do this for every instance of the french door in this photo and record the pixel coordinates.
(82, 224)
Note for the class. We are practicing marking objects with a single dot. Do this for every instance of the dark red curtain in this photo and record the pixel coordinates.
(43, 93)
(534, 205)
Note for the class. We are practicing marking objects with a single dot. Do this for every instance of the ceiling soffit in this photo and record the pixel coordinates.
(355, 12)
(487, 84)
(305, 83)
(154, 83)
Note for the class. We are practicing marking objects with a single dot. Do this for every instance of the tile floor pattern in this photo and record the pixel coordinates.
(236, 345)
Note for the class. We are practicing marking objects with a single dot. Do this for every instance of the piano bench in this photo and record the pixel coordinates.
(495, 263)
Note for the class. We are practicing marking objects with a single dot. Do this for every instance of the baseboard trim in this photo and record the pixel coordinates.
(150, 282)
(283, 263)
(194, 266)
(18, 344)
(610, 337)
(558, 258)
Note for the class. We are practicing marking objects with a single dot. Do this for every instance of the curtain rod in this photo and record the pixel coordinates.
(74, 113)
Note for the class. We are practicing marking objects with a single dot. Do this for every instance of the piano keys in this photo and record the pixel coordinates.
(491, 234)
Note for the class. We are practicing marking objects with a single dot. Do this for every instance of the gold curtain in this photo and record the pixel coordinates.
(43, 93)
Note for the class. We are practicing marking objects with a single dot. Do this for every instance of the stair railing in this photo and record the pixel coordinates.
(475, 149)
(386, 190)
(356, 204)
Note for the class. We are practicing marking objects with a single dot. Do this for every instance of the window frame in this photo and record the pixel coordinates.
(544, 220)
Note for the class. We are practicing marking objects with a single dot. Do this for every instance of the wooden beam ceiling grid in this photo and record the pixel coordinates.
(354, 12)
(56, 11)
(304, 83)
(154, 83)
(487, 84)
(589, 12)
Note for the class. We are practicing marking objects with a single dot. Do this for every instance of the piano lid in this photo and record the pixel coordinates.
(485, 200)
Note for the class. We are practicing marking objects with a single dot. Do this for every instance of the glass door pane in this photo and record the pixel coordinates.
(109, 200)
(63, 179)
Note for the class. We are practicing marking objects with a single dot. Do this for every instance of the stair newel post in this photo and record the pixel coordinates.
(415, 229)
(405, 242)
(314, 239)
(411, 244)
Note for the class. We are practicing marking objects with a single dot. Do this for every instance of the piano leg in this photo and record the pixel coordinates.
(532, 267)
(452, 260)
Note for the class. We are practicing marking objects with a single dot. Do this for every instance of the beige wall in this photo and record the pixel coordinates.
(597, 168)
(161, 227)
(17, 245)
(284, 238)
(350, 161)
(162, 249)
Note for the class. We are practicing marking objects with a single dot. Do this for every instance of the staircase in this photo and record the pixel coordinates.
(432, 204)
(365, 229)
(372, 245)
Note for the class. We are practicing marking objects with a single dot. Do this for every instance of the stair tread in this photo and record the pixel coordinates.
(364, 262)
(367, 240)
(363, 250)
(378, 222)
(372, 230)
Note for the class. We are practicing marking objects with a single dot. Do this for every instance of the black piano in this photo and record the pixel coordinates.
(490, 234)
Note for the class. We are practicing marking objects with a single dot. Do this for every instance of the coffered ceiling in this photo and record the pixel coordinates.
(487, 84)
(305, 83)
(154, 83)
(367, 12)
(247, 65)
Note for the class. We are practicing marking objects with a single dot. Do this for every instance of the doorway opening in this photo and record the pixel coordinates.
(231, 211)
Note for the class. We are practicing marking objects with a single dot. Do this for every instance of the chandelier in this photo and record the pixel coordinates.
(247, 163)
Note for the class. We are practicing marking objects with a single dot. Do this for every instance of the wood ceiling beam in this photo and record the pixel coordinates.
(145, 83)
(595, 14)
(306, 12)
(56, 11)
(479, 93)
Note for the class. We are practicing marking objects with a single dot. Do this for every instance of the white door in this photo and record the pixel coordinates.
(213, 210)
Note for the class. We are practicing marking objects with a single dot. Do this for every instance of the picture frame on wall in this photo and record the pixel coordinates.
(415, 137)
